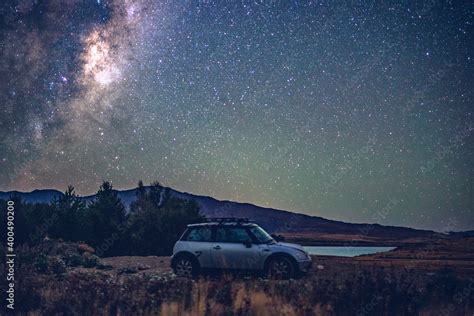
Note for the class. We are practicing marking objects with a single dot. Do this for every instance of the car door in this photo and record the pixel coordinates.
(230, 251)
(198, 241)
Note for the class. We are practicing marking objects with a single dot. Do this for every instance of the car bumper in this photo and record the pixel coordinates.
(305, 266)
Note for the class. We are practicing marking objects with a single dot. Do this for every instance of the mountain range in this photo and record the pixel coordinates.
(305, 229)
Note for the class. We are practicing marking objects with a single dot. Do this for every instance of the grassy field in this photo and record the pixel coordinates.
(71, 281)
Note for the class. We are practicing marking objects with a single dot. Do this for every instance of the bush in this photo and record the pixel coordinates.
(85, 248)
(57, 265)
(45, 264)
(41, 263)
(74, 260)
(90, 261)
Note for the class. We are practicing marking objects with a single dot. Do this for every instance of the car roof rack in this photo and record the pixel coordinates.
(228, 219)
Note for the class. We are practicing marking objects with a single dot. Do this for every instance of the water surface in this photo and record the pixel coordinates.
(345, 251)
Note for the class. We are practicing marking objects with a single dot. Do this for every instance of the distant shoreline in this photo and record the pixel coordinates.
(345, 244)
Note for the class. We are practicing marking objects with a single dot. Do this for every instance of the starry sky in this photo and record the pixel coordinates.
(350, 111)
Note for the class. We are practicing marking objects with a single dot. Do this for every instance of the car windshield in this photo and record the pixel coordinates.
(261, 235)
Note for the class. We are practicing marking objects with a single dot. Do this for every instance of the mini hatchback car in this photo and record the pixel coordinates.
(236, 244)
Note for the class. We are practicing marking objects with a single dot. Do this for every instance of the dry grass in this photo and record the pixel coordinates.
(245, 301)
(356, 293)
(371, 285)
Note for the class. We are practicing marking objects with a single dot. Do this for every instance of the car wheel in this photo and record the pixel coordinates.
(281, 267)
(186, 267)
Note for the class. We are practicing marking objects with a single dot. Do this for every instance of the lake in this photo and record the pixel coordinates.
(345, 251)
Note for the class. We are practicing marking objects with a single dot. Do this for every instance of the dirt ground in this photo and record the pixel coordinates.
(322, 265)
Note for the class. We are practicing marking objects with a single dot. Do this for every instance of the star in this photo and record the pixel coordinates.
(325, 109)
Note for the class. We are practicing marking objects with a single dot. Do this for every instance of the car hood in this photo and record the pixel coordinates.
(287, 244)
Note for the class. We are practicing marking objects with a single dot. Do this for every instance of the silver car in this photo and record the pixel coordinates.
(236, 244)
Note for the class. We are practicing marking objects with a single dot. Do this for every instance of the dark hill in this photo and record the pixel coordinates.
(301, 227)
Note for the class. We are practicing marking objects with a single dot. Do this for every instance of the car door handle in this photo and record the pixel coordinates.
(217, 247)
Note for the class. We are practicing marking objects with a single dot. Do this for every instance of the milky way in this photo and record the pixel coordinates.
(347, 111)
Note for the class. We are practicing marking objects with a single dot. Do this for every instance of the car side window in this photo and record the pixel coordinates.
(232, 234)
(221, 235)
(199, 234)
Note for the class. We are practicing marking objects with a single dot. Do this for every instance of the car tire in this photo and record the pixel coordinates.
(281, 267)
(186, 266)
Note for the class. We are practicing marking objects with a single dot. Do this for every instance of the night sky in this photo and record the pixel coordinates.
(353, 112)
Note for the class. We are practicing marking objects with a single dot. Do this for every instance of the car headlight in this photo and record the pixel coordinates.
(301, 255)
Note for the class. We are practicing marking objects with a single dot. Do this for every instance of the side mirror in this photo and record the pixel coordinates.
(248, 243)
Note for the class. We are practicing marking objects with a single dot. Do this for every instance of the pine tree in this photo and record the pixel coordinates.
(70, 212)
(158, 220)
(105, 215)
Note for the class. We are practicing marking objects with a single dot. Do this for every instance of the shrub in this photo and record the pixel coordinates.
(74, 260)
(90, 261)
(41, 263)
(57, 265)
(85, 248)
